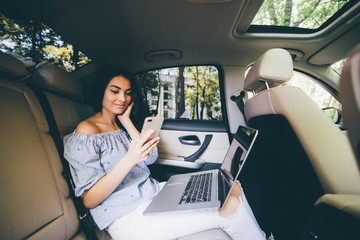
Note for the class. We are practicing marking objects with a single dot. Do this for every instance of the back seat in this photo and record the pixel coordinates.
(35, 201)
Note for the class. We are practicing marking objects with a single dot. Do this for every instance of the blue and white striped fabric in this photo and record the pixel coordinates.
(93, 156)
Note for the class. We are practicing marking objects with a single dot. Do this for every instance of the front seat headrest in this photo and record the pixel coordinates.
(350, 99)
(274, 67)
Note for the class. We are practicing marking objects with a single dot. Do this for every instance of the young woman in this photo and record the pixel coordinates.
(109, 159)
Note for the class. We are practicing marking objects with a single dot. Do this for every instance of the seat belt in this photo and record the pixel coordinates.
(239, 102)
(86, 221)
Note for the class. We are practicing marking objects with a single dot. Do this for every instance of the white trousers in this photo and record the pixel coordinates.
(136, 226)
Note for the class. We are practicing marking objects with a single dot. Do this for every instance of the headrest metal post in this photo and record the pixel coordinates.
(267, 85)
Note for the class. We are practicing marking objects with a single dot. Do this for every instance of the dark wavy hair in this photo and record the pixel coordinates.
(103, 77)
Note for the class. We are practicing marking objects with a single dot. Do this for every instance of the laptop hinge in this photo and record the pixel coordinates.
(221, 187)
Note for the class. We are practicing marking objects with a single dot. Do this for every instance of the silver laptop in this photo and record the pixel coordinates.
(205, 190)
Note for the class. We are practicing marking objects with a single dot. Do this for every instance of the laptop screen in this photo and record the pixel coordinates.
(235, 158)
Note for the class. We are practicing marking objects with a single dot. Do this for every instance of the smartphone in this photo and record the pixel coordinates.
(152, 123)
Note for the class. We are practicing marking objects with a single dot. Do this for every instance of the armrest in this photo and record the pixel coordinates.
(335, 216)
(347, 203)
(182, 164)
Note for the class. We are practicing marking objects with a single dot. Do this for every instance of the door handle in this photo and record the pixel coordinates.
(196, 155)
(190, 140)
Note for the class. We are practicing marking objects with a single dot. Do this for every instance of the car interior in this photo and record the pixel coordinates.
(190, 60)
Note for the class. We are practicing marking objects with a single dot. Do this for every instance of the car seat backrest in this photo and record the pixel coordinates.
(11, 68)
(34, 199)
(350, 99)
(327, 148)
(344, 209)
(64, 94)
(52, 78)
(299, 154)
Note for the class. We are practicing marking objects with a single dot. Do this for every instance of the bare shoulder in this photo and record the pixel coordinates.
(87, 127)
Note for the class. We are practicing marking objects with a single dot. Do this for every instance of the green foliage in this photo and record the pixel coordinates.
(37, 42)
(201, 92)
(309, 14)
(314, 90)
(149, 85)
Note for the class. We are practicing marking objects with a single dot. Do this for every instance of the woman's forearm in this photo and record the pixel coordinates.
(131, 129)
(107, 184)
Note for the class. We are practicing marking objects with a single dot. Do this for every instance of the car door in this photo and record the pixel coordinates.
(194, 135)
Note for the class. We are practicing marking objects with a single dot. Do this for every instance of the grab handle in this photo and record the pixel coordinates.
(196, 155)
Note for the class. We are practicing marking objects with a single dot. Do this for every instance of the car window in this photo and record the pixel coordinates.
(293, 15)
(314, 90)
(34, 41)
(189, 92)
(323, 98)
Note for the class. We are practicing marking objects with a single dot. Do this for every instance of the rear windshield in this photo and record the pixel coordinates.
(37, 42)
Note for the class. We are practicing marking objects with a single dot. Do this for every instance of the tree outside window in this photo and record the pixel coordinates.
(37, 42)
(309, 14)
(185, 92)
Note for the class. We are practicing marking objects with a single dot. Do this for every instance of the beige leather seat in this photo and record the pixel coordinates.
(350, 99)
(12, 68)
(300, 153)
(34, 201)
(64, 93)
(346, 207)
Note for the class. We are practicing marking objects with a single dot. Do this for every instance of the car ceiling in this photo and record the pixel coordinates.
(197, 31)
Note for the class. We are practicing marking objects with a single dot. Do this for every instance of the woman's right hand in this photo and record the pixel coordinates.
(141, 147)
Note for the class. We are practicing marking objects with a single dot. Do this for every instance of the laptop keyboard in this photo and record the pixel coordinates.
(198, 189)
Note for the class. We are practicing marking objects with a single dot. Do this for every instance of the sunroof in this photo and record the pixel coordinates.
(298, 15)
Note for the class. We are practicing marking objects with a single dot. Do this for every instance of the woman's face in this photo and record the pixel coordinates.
(117, 96)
